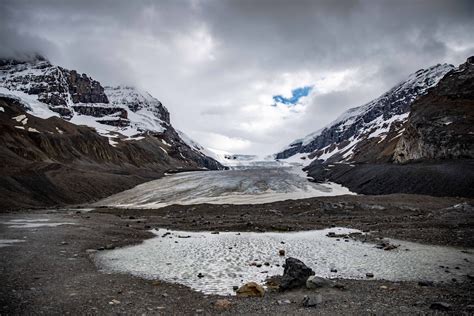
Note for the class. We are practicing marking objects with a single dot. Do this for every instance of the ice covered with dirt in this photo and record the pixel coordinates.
(214, 263)
(245, 185)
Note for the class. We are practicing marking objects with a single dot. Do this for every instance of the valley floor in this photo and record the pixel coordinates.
(51, 271)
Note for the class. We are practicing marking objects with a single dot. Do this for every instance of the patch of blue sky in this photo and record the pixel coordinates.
(296, 95)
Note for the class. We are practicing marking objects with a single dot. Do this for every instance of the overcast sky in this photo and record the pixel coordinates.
(216, 64)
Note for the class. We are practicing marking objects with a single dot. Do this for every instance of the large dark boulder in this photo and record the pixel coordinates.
(295, 274)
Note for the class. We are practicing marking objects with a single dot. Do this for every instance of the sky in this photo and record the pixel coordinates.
(244, 76)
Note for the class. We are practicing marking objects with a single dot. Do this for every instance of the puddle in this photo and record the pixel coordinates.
(224, 259)
(33, 223)
(9, 242)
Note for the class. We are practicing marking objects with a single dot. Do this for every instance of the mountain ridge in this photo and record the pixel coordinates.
(360, 123)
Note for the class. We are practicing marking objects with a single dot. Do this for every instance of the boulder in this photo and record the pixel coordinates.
(251, 289)
(441, 306)
(295, 274)
(315, 282)
(222, 304)
(312, 301)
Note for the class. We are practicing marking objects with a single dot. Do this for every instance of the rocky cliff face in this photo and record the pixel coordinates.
(369, 125)
(441, 124)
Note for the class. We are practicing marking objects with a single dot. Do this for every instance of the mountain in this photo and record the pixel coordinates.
(416, 138)
(341, 139)
(62, 130)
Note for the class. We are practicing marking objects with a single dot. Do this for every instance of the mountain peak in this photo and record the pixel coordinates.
(374, 119)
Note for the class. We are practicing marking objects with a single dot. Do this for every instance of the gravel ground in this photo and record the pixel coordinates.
(52, 271)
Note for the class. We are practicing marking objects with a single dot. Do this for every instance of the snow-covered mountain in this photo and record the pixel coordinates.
(119, 113)
(65, 138)
(51, 90)
(416, 138)
(376, 123)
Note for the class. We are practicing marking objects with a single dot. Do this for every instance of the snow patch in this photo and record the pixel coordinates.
(32, 130)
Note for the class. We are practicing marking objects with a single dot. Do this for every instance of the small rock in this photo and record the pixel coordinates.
(339, 286)
(440, 306)
(215, 233)
(235, 288)
(283, 302)
(251, 289)
(315, 282)
(114, 302)
(281, 252)
(333, 270)
(369, 275)
(199, 311)
(222, 304)
(64, 243)
(91, 250)
(259, 265)
(200, 275)
(165, 295)
(267, 264)
(390, 247)
(425, 283)
(312, 301)
(101, 248)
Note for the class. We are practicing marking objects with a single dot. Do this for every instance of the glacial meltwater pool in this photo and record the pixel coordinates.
(224, 259)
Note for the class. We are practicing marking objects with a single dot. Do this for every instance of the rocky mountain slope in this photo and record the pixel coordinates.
(430, 150)
(379, 121)
(67, 139)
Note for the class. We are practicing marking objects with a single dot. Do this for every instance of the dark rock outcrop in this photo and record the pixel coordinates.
(295, 274)
(84, 89)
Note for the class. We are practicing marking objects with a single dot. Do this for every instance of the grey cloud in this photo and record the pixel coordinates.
(203, 58)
